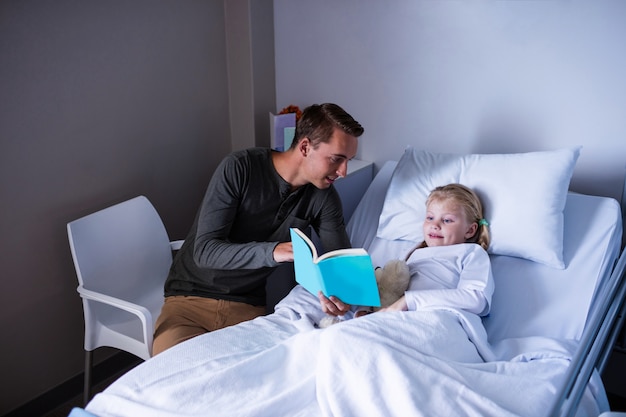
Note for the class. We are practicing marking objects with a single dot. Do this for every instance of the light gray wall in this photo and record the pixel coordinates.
(99, 101)
(466, 76)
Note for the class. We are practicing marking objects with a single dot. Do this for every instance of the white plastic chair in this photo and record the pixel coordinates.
(122, 256)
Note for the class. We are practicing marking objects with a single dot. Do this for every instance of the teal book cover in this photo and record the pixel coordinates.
(348, 274)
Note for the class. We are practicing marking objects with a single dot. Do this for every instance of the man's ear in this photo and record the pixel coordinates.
(304, 146)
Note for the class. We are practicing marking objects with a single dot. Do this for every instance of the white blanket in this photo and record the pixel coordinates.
(424, 363)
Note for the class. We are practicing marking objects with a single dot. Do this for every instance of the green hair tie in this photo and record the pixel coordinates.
(483, 222)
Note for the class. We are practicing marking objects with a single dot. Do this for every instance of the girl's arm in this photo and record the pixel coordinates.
(473, 292)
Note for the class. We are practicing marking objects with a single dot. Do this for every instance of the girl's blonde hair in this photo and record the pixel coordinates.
(471, 205)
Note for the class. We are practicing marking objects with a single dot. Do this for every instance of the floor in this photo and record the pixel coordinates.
(617, 403)
(59, 401)
(64, 409)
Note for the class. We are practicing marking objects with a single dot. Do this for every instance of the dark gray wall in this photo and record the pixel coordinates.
(250, 63)
(99, 101)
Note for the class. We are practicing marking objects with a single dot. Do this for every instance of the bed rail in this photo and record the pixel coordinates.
(605, 322)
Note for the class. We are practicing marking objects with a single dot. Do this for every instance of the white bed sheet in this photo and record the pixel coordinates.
(379, 365)
(423, 363)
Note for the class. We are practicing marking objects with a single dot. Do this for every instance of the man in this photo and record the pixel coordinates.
(241, 232)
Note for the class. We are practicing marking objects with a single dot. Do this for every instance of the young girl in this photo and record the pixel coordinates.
(451, 266)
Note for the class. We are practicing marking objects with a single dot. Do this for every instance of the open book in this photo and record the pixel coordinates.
(348, 274)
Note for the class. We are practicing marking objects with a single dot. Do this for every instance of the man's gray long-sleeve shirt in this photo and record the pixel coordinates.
(247, 210)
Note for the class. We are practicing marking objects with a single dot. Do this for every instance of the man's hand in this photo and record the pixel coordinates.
(283, 252)
(333, 306)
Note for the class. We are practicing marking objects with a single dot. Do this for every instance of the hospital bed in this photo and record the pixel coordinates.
(537, 353)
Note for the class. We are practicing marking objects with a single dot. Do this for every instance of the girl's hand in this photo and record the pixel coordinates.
(361, 313)
(399, 305)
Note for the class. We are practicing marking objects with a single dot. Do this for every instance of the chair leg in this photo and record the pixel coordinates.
(87, 382)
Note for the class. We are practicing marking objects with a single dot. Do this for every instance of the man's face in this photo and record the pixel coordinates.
(329, 160)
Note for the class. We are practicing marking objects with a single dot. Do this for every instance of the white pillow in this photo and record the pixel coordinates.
(523, 197)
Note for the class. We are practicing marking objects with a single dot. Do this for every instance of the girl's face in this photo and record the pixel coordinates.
(446, 224)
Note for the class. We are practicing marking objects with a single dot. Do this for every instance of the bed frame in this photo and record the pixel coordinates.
(603, 328)
(605, 319)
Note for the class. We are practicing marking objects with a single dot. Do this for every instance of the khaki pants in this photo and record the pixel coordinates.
(184, 317)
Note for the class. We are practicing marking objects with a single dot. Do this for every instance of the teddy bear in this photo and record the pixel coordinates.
(392, 280)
